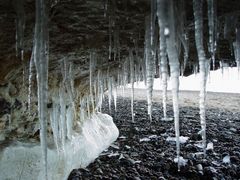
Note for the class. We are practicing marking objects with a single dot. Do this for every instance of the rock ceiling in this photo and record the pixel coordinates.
(76, 26)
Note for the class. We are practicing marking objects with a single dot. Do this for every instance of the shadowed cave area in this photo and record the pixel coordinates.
(71, 103)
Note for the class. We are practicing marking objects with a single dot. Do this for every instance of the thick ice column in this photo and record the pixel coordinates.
(166, 14)
(40, 55)
(197, 8)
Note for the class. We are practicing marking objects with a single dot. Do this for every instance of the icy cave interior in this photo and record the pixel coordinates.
(60, 59)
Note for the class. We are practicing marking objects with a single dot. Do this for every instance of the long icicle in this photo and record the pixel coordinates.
(175, 72)
(30, 76)
(149, 54)
(131, 59)
(197, 8)
(167, 16)
(237, 57)
(163, 61)
(40, 49)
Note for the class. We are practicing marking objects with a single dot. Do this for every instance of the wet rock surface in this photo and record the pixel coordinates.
(142, 152)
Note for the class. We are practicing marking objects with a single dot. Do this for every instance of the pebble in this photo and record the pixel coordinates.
(152, 158)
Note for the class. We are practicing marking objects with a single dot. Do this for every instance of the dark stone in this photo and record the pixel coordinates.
(5, 107)
(156, 156)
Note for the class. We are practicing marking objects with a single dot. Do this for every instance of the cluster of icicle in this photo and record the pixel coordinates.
(172, 39)
(165, 38)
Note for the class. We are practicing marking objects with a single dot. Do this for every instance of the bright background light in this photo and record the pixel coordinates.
(226, 82)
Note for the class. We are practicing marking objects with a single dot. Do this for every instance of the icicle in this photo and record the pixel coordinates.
(115, 98)
(88, 107)
(105, 7)
(62, 126)
(68, 81)
(211, 27)
(110, 40)
(237, 57)
(153, 19)
(69, 122)
(131, 59)
(111, 27)
(30, 76)
(149, 60)
(109, 92)
(71, 79)
(100, 90)
(20, 27)
(163, 59)
(92, 65)
(54, 121)
(166, 11)
(116, 44)
(40, 49)
(82, 108)
(197, 8)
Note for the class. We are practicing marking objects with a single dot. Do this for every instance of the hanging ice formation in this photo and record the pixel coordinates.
(109, 82)
(171, 37)
(112, 37)
(115, 95)
(30, 76)
(149, 68)
(40, 54)
(163, 57)
(175, 72)
(237, 48)
(20, 27)
(92, 65)
(197, 8)
(132, 79)
(212, 29)
(68, 82)
(150, 54)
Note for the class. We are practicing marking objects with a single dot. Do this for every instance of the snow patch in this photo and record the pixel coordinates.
(226, 82)
(181, 161)
(97, 134)
(182, 139)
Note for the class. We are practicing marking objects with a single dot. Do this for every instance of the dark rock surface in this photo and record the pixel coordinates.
(132, 157)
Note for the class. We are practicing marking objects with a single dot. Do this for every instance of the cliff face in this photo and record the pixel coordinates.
(106, 29)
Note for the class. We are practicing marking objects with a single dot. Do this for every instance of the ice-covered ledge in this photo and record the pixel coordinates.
(23, 160)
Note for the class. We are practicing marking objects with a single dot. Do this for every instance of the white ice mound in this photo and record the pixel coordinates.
(23, 160)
